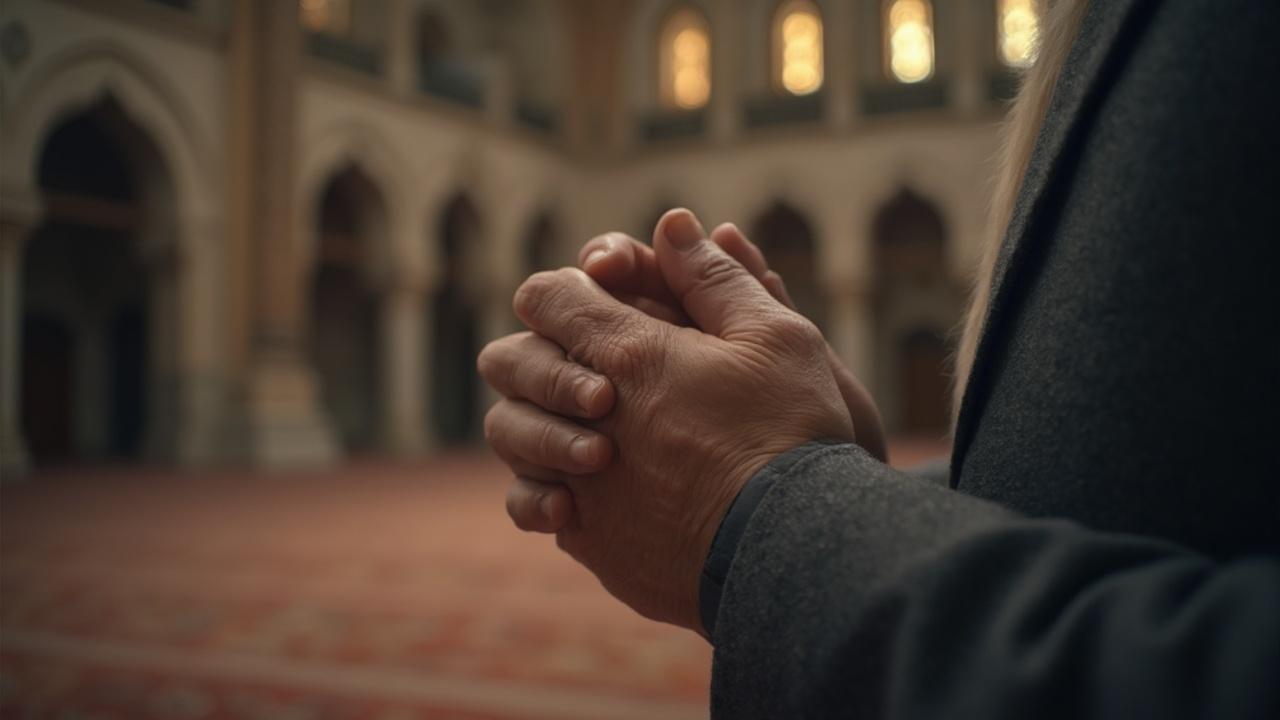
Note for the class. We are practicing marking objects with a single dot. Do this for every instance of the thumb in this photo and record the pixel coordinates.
(721, 296)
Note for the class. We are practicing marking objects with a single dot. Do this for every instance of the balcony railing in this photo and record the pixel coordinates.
(673, 124)
(453, 81)
(776, 110)
(356, 56)
(897, 98)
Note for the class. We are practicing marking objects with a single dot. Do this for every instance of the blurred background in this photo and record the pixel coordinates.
(249, 250)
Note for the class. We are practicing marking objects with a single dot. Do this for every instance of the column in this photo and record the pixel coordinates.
(966, 59)
(726, 66)
(841, 64)
(16, 222)
(403, 323)
(283, 423)
(401, 56)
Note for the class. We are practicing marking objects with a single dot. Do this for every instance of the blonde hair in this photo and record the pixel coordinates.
(1058, 30)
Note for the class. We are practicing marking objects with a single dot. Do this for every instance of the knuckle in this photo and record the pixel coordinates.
(518, 509)
(491, 421)
(531, 296)
(796, 331)
(546, 444)
(489, 359)
(557, 389)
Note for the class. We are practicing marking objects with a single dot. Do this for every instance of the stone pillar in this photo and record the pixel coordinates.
(283, 423)
(726, 69)
(500, 98)
(841, 63)
(402, 71)
(403, 323)
(966, 59)
(17, 219)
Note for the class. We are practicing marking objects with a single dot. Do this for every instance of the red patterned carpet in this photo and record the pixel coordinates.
(377, 591)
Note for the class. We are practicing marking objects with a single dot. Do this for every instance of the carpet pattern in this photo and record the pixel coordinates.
(377, 591)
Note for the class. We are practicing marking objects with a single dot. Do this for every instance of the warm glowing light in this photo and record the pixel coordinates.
(909, 40)
(1018, 32)
(798, 47)
(326, 16)
(684, 65)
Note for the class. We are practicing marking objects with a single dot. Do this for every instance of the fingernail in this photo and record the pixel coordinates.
(683, 230)
(580, 450)
(594, 257)
(586, 390)
(544, 505)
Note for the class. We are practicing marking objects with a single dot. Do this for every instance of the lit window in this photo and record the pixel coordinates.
(1017, 32)
(909, 40)
(797, 47)
(684, 60)
(332, 17)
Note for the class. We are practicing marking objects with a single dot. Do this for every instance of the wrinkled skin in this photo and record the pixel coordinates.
(693, 412)
(540, 383)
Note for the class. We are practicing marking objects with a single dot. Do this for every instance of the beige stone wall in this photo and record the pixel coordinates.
(173, 73)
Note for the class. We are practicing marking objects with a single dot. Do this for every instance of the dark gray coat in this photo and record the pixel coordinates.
(1109, 545)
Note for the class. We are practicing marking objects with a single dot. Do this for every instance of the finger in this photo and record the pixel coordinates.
(536, 506)
(569, 308)
(625, 266)
(740, 248)
(518, 429)
(530, 367)
(731, 240)
(721, 296)
(862, 409)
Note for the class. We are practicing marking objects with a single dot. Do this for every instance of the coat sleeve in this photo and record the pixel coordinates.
(859, 591)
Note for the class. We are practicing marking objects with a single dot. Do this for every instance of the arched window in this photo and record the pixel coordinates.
(908, 40)
(1017, 31)
(684, 60)
(332, 17)
(797, 47)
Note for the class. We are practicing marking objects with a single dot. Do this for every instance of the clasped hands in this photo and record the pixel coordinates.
(653, 384)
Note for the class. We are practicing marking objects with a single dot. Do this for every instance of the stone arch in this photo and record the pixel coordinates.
(183, 378)
(916, 306)
(356, 145)
(786, 237)
(74, 79)
(345, 297)
(540, 244)
(642, 47)
(457, 313)
(98, 336)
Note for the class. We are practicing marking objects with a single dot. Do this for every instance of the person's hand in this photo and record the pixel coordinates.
(629, 270)
(539, 381)
(696, 413)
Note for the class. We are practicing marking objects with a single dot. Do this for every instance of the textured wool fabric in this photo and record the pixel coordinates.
(1108, 545)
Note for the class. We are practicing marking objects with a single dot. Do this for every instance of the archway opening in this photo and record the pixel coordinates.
(788, 243)
(455, 388)
(352, 226)
(915, 306)
(88, 349)
(540, 245)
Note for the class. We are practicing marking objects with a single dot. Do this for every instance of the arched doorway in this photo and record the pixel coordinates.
(540, 251)
(916, 307)
(788, 243)
(352, 227)
(89, 349)
(455, 331)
